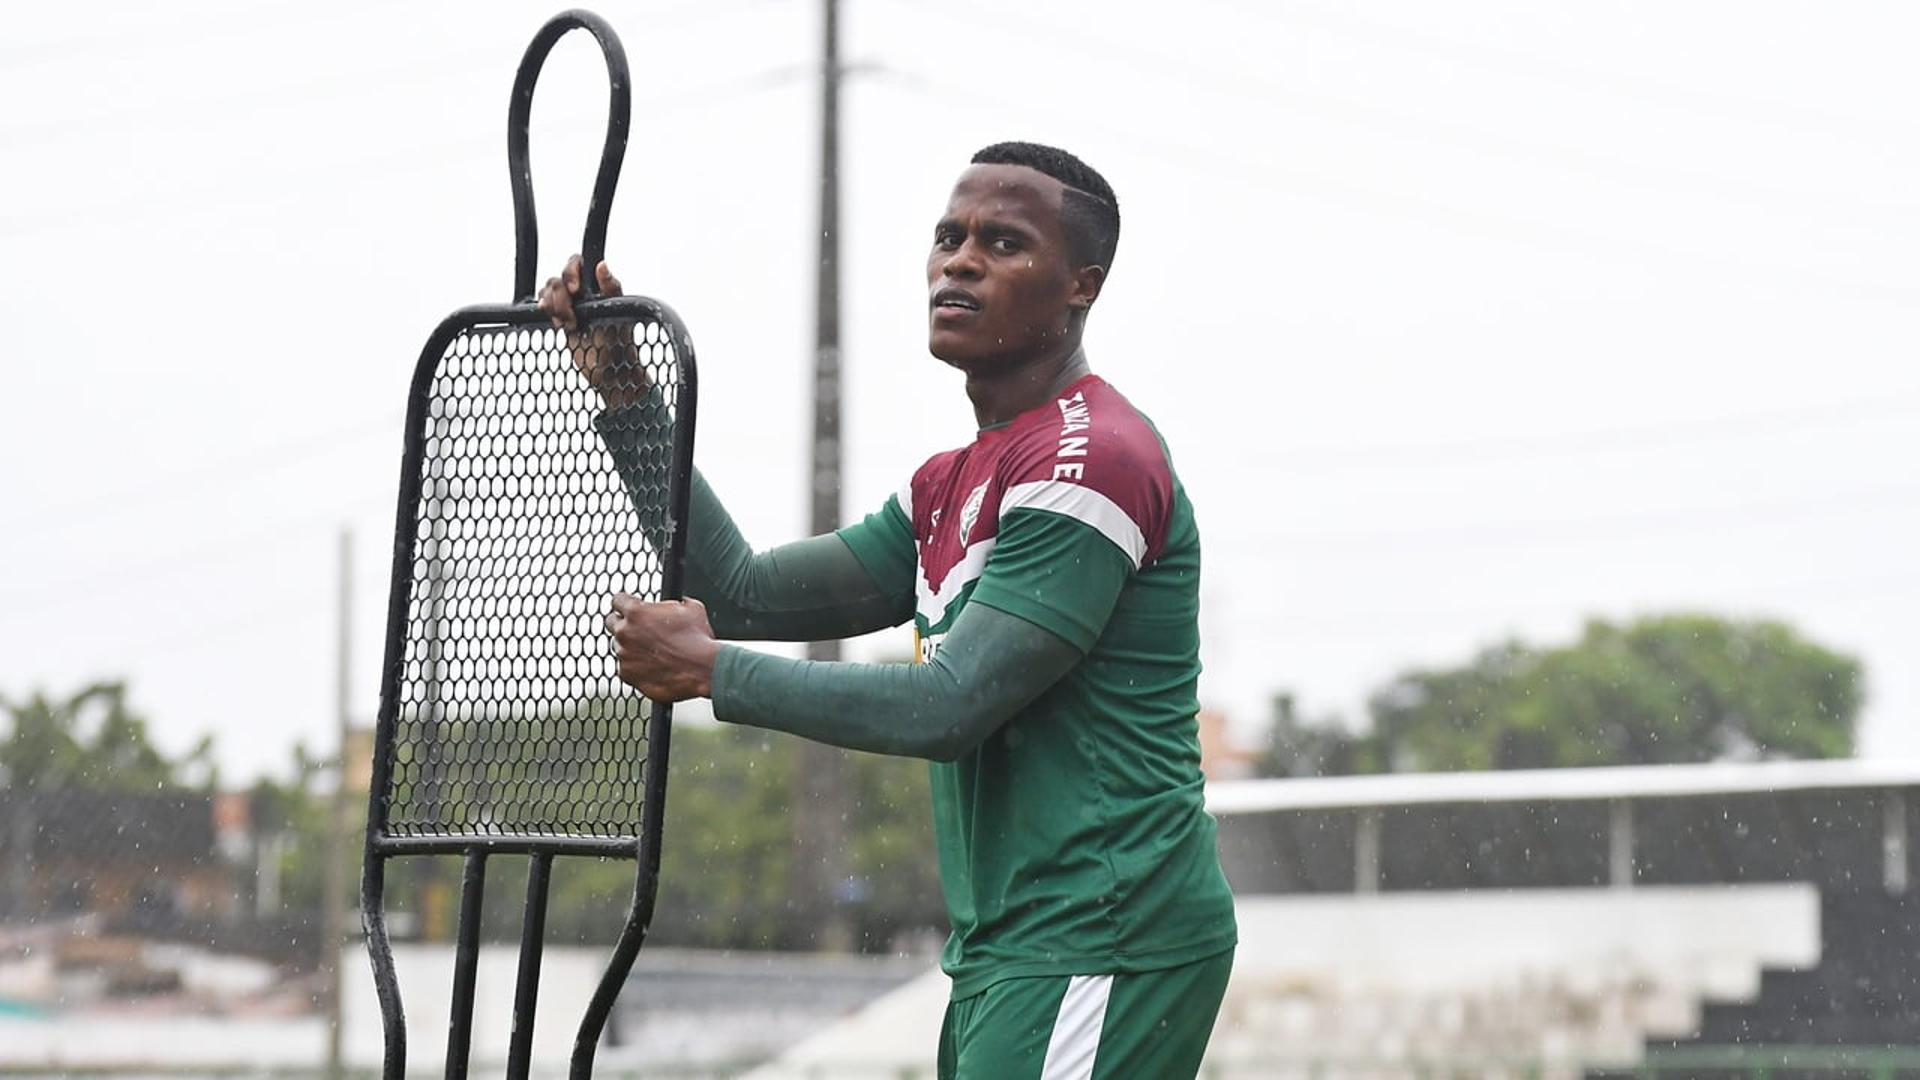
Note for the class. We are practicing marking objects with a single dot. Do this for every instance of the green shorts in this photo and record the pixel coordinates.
(1086, 1027)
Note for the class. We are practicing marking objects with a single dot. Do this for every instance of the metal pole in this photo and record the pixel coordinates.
(466, 961)
(826, 350)
(526, 991)
(1620, 844)
(332, 925)
(1893, 840)
(820, 787)
(1366, 850)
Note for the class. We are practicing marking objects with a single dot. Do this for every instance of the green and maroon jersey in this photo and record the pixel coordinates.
(1073, 840)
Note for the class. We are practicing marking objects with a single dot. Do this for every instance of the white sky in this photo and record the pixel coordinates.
(1462, 320)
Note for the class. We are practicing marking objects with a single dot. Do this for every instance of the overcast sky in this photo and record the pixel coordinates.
(1462, 321)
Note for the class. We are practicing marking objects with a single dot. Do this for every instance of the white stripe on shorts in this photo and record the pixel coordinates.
(1076, 1030)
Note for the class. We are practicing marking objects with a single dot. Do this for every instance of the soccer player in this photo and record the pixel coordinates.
(1051, 571)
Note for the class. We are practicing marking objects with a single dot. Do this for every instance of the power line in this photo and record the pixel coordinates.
(1709, 103)
(156, 487)
(1163, 64)
(146, 113)
(256, 189)
(249, 623)
(103, 35)
(1599, 528)
(1628, 437)
(258, 18)
(1221, 79)
(1349, 623)
(145, 572)
(1214, 165)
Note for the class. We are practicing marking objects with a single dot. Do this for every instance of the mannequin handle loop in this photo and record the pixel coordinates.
(526, 231)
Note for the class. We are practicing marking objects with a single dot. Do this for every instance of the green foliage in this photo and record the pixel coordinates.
(296, 811)
(1299, 747)
(893, 852)
(726, 875)
(1657, 690)
(727, 859)
(93, 740)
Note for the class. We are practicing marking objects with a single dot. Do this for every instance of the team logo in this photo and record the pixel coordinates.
(970, 513)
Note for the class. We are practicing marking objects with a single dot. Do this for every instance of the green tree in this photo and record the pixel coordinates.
(725, 859)
(1297, 746)
(89, 740)
(1660, 689)
(92, 739)
(726, 875)
(297, 812)
(893, 856)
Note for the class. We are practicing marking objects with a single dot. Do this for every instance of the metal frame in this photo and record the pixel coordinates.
(644, 849)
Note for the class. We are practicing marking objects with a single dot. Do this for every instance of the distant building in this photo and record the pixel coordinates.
(1220, 757)
(118, 854)
(1634, 919)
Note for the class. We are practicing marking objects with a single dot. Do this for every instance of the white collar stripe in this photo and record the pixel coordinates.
(1083, 504)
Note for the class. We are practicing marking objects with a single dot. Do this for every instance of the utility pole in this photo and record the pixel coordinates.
(821, 804)
(332, 928)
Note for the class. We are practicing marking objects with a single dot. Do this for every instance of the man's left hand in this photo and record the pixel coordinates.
(666, 650)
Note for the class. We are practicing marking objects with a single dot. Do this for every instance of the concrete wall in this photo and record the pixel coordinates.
(1572, 975)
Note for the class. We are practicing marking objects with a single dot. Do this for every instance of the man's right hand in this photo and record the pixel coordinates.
(603, 352)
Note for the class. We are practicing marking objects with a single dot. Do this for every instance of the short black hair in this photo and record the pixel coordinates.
(1089, 212)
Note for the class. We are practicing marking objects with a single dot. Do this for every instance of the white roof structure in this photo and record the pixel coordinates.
(1558, 785)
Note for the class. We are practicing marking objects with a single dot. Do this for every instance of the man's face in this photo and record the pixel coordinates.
(1001, 287)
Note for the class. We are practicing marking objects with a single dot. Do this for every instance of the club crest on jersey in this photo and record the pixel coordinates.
(970, 513)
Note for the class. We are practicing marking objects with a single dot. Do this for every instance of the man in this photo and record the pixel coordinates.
(1051, 572)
